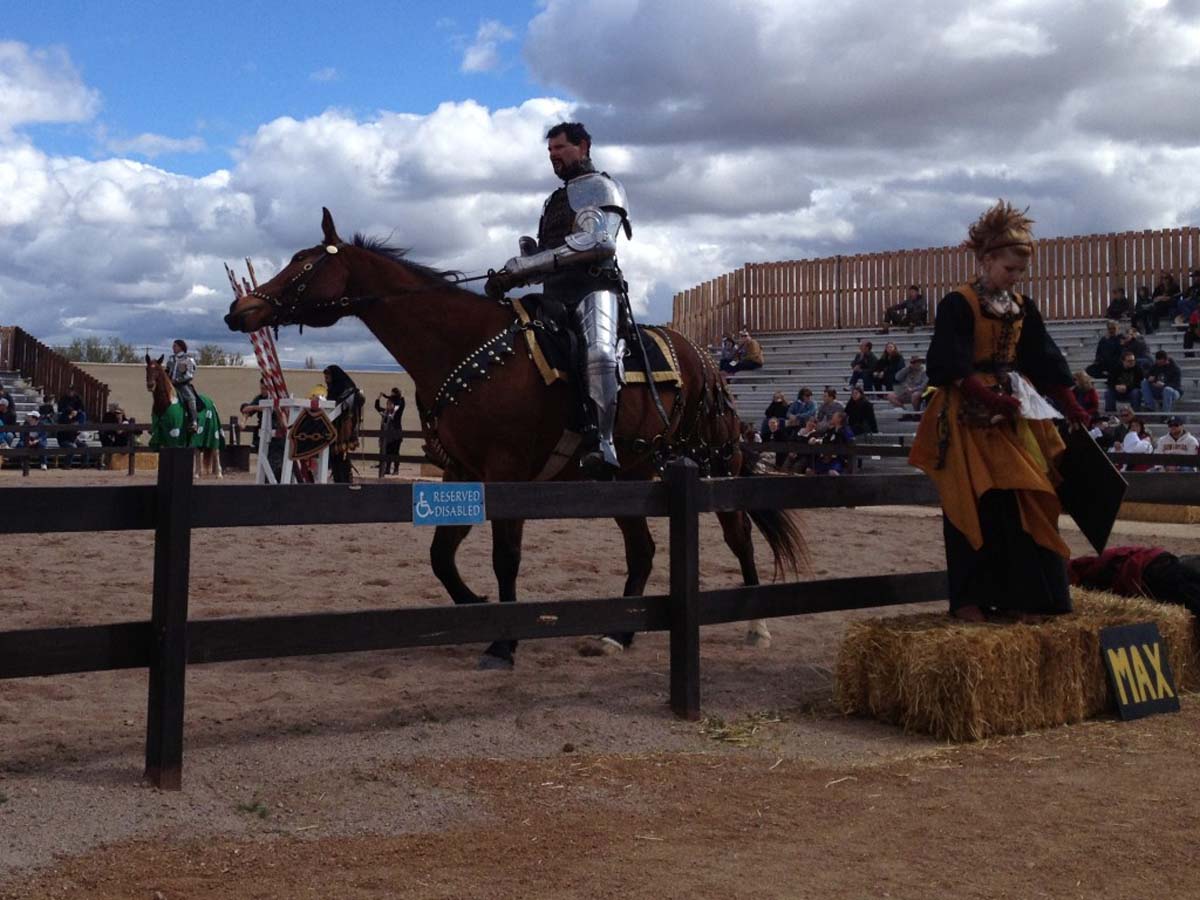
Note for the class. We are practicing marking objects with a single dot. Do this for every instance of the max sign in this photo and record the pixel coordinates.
(1136, 659)
(448, 503)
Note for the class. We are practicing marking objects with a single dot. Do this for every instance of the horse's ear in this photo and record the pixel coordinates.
(161, 358)
(147, 359)
(327, 227)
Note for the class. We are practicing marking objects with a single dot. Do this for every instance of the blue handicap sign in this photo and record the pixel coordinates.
(448, 503)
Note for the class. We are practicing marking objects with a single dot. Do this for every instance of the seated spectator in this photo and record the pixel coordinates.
(1124, 384)
(748, 356)
(1163, 384)
(1086, 395)
(911, 382)
(862, 367)
(8, 418)
(828, 407)
(47, 410)
(775, 433)
(1125, 421)
(7, 396)
(1166, 294)
(1177, 441)
(909, 312)
(860, 414)
(802, 408)
(808, 433)
(838, 432)
(36, 436)
(776, 409)
(1108, 352)
(117, 437)
(1119, 306)
(1133, 342)
(728, 352)
(1137, 440)
(890, 362)
(1191, 334)
(1189, 301)
(71, 413)
(1143, 311)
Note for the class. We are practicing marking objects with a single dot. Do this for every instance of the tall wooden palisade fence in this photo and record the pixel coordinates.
(52, 372)
(1070, 278)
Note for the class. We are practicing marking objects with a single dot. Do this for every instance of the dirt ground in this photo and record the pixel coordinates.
(411, 774)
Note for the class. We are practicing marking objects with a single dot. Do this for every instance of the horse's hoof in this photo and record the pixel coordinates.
(489, 662)
(758, 636)
(600, 646)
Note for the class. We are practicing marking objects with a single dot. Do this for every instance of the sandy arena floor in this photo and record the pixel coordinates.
(410, 774)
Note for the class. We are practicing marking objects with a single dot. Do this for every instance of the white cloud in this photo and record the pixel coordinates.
(483, 55)
(152, 145)
(41, 86)
(328, 73)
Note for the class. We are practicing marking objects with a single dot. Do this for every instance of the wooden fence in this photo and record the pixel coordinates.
(168, 642)
(1070, 277)
(52, 372)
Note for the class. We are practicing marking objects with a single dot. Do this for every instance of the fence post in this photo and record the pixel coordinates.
(168, 618)
(683, 484)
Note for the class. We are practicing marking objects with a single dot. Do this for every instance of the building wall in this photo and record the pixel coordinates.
(231, 386)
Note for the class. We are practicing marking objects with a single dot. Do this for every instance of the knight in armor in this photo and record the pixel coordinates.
(575, 259)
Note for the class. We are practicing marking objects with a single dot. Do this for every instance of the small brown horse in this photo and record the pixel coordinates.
(510, 426)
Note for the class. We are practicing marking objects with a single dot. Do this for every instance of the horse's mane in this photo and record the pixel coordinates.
(381, 247)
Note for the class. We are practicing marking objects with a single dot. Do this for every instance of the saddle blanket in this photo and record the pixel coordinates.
(550, 343)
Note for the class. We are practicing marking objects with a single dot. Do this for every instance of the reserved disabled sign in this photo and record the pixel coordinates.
(448, 503)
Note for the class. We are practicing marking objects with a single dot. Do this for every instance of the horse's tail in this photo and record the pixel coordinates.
(781, 530)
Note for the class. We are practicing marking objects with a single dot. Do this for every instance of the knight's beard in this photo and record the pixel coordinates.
(567, 171)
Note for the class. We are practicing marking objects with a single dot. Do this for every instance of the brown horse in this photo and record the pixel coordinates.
(489, 415)
(167, 428)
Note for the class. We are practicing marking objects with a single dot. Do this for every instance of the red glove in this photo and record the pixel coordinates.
(1064, 399)
(996, 402)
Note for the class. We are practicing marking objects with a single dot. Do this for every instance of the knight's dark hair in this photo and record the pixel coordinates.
(572, 131)
(182, 343)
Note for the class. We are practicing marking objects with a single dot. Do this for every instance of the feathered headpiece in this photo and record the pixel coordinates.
(1001, 226)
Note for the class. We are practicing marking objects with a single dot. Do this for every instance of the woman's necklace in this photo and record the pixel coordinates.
(998, 303)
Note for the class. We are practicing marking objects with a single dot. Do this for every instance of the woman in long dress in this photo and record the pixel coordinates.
(988, 439)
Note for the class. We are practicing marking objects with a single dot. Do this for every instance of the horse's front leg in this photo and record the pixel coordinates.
(735, 526)
(446, 539)
(506, 561)
(639, 563)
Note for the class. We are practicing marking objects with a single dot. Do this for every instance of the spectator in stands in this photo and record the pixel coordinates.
(1143, 311)
(890, 362)
(838, 432)
(1136, 440)
(1124, 384)
(1108, 352)
(1125, 421)
(1189, 302)
(7, 396)
(805, 434)
(828, 407)
(748, 356)
(72, 414)
(117, 437)
(728, 352)
(909, 312)
(36, 436)
(860, 413)
(1177, 441)
(774, 433)
(1166, 293)
(1086, 395)
(8, 418)
(1133, 342)
(911, 382)
(46, 410)
(802, 408)
(862, 367)
(1191, 334)
(1118, 306)
(776, 409)
(1163, 384)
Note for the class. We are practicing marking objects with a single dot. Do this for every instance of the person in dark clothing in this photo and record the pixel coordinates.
(1119, 306)
(1087, 396)
(776, 409)
(890, 362)
(862, 367)
(1166, 293)
(1142, 572)
(838, 432)
(1124, 384)
(275, 441)
(340, 388)
(391, 414)
(1192, 334)
(989, 356)
(860, 414)
(1108, 352)
(1163, 384)
(1143, 311)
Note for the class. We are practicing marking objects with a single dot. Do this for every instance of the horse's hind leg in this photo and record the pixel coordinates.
(506, 562)
(442, 551)
(735, 526)
(639, 562)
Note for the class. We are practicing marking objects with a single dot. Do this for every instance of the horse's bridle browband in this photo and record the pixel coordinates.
(287, 306)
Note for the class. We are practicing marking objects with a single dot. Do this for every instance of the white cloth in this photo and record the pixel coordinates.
(1033, 404)
(1135, 444)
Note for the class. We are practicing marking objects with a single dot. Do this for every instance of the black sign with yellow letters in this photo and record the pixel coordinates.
(1138, 669)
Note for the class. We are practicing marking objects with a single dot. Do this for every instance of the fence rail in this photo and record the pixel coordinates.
(1070, 277)
(167, 643)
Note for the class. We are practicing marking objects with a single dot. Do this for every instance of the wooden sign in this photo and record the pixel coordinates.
(1138, 669)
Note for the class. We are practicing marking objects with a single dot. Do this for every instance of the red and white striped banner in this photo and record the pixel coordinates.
(262, 340)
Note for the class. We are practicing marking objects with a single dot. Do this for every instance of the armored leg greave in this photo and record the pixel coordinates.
(598, 316)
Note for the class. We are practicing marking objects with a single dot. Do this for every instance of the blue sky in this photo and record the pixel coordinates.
(215, 71)
(143, 145)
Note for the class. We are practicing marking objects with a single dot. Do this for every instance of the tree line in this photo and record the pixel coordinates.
(115, 350)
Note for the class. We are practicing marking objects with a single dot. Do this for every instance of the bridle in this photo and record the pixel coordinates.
(291, 308)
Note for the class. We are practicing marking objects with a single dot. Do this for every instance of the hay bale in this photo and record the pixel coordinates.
(1160, 512)
(960, 681)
